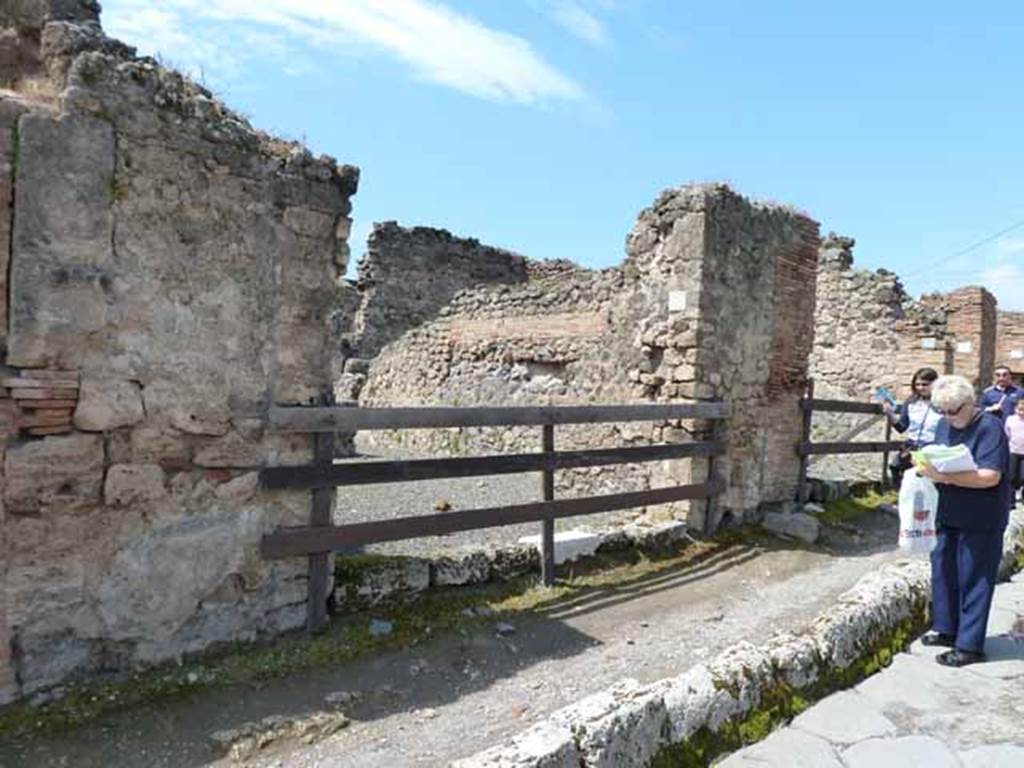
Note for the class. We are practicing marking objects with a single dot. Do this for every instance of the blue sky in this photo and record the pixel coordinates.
(544, 126)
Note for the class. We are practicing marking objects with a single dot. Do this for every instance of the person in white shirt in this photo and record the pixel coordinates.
(916, 417)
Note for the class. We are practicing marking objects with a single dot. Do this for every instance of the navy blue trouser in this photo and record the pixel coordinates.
(964, 569)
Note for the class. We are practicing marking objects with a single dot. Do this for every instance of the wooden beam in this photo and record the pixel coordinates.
(299, 419)
(370, 472)
(293, 542)
(808, 449)
(841, 406)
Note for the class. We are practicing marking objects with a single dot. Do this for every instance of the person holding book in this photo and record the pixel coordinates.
(1001, 398)
(1015, 435)
(972, 514)
(916, 417)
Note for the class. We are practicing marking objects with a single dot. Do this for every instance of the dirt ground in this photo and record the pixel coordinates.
(452, 695)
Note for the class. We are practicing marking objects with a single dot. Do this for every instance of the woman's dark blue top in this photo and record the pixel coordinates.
(977, 509)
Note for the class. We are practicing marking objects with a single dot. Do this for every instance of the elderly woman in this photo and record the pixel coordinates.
(973, 511)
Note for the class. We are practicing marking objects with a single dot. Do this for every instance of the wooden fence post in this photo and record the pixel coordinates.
(547, 536)
(802, 488)
(885, 455)
(320, 514)
(711, 508)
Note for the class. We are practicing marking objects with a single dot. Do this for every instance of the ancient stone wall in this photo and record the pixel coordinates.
(710, 302)
(172, 273)
(408, 274)
(869, 332)
(1010, 342)
(971, 321)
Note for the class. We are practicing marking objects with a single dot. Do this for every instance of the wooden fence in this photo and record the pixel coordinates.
(322, 536)
(805, 448)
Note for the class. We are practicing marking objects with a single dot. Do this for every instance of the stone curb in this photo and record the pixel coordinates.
(629, 724)
(401, 577)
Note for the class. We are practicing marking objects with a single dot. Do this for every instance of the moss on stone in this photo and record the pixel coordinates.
(781, 703)
(854, 507)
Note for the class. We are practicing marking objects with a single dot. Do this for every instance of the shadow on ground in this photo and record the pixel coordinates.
(438, 667)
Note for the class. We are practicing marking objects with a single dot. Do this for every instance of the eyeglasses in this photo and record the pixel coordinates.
(951, 413)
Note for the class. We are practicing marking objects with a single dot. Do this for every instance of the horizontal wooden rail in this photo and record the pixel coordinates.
(840, 406)
(306, 540)
(809, 449)
(370, 472)
(299, 419)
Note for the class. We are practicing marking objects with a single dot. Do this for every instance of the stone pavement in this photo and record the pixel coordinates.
(917, 712)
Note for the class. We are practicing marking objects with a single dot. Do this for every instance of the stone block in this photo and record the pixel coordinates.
(514, 561)
(397, 578)
(545, 745)
(51, 470)
(159, 445)
(128, 484)
(793, 525)
(61, 244)
(107, 404)
(472, 567)
(621, 727)
(569, 545)
(232, 450)
(145, 594)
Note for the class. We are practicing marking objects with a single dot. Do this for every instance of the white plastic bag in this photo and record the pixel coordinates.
(919, 501)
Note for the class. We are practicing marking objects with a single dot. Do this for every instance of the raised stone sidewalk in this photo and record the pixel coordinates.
(917, 712)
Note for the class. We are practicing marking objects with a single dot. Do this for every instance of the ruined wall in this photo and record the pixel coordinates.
(172, 273)
(1010, 342)
(971, 321)
(711, 301)
(869, 332)
(408, 274)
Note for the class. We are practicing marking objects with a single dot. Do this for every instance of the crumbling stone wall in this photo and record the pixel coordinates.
(710, 302)
(172, 273)
(869, 332)
(408, 274)
(1010, 341)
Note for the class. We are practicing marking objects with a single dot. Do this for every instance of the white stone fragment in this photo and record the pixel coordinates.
(569, 545)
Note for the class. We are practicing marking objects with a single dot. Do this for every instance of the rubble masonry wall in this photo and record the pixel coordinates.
(173, 272)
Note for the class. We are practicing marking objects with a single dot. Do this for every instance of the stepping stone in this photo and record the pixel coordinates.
(844, 718)
(905, 752)
(789, 747)
(994, 756)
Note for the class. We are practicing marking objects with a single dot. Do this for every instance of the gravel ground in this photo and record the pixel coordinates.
(387, 501)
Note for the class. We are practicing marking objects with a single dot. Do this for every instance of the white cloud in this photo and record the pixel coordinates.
(1006, 281)
(440, 45)
(575, 19)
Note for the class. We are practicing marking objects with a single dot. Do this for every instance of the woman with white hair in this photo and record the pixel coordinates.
(973, 512)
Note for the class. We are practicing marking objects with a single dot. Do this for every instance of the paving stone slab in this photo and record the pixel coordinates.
(994, 756)
(788, 747)
(903, 752)
(844, 718)
(911, 682)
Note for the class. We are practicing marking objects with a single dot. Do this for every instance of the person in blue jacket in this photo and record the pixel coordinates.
(1001, 398)
(973, 512)
(916, 418)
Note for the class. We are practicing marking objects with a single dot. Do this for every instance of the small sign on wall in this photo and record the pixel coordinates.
(676, 301)
(928, 342)
(1017, 354)
(963, 347)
